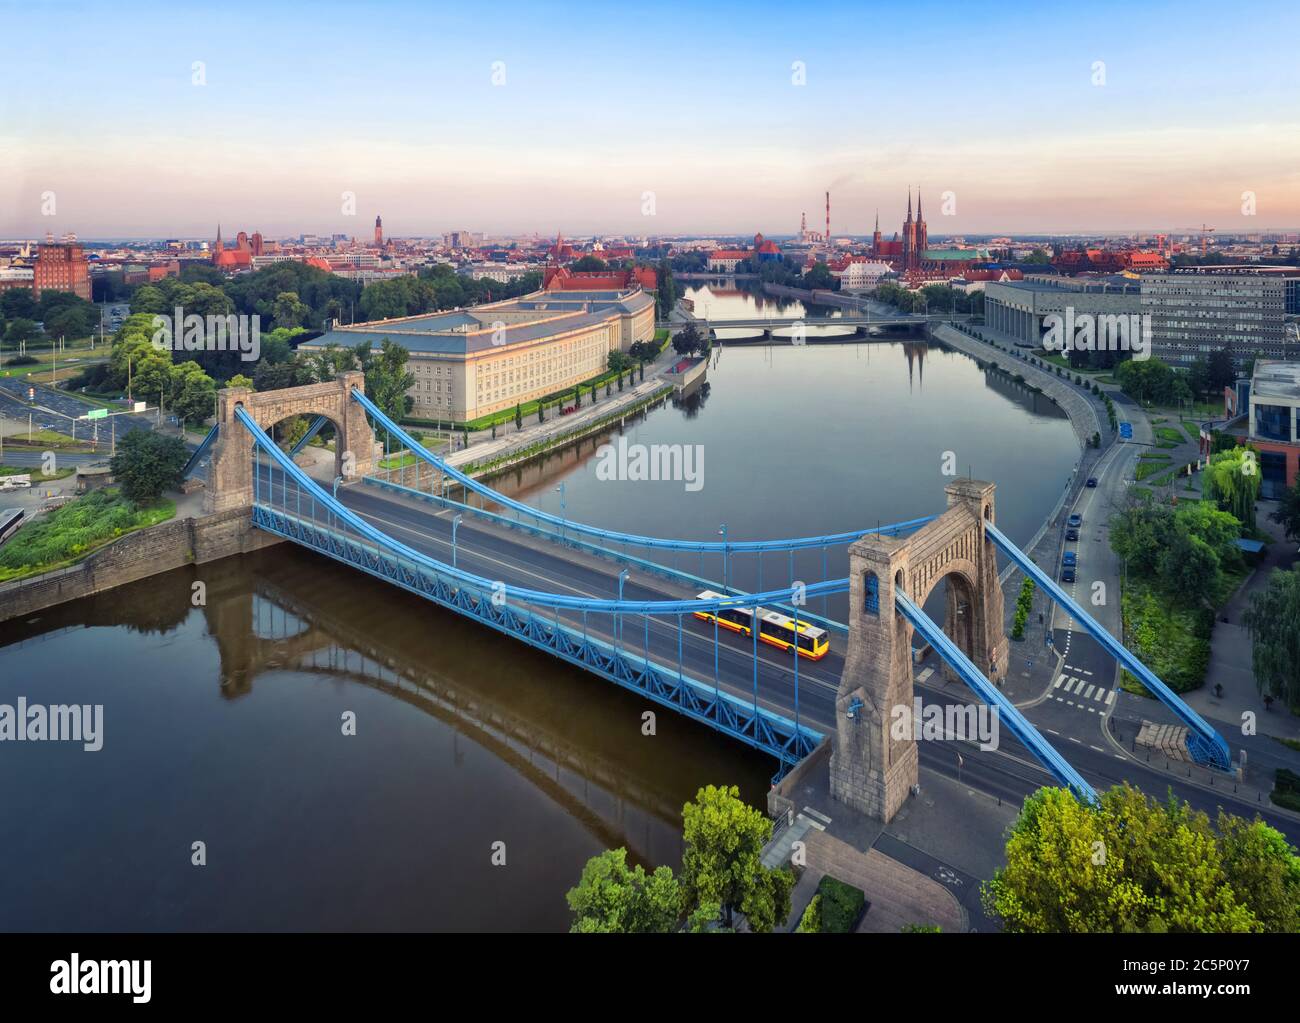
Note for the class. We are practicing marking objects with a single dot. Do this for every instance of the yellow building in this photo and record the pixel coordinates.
(472, 362)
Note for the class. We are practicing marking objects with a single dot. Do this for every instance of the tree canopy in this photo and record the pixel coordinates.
(147, 463)
(1273, 619)
(1133, 864)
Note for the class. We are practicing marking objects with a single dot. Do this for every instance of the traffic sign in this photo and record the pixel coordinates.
(97, 413)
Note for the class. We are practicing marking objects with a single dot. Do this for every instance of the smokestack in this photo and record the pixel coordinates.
(828, 219)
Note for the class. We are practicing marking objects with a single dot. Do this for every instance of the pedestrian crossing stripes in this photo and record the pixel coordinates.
(1082, 691)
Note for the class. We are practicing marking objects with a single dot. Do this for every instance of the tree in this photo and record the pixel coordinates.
(1221, 369)
(1132, 864)
(1198, 378)
(613, 898)
(387, 378)
(193, 392)
(146, 464)
(688, 340)
(819, 277)
(1231, 480)
(589, 264)
(1273, 619)
(1288, 512)
(724, 839)
(288, 311)
(22, 329)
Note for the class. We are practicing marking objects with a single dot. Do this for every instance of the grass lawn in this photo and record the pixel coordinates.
(68, 534)
(1149, 466)
(1170, 638)
(1169, 435)
(44, 439)
(37, 475)
(1193, 431)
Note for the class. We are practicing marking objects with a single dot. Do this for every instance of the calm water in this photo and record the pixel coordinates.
(222, 723)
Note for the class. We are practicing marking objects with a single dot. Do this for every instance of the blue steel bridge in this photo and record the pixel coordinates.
(621, 606)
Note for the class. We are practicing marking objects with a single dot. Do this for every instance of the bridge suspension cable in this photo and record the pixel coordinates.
(1008, 714)
(1205, 744)
(729, 546)
(541, 598)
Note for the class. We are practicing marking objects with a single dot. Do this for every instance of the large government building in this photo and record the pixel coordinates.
(1019, 307)
(472, 362)
(1198, 310)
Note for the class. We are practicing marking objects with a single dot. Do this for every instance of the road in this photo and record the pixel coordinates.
(55, 410)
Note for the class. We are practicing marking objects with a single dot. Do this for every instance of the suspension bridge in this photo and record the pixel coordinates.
(624, 606)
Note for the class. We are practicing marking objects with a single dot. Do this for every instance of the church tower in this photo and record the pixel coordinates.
(909, 236)
(379, 233)
(922, 232)
(875, 236)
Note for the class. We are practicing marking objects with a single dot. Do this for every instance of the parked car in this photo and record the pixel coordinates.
(568, 410)
(1070, 559)
(1072, 534)
(1075, 520)
(1092, 481)
(1067, 575)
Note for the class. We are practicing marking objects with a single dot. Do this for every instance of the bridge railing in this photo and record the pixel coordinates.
(670, 572)
(557, 623)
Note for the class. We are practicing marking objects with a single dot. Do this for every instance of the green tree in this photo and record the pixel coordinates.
(387, 378)
(1273, 619)
(146, 464)
(1288, 512)
(21, 329)
(1221, 369)
(613, 898)
(589, 264)
(1232, 481)
(193, 392)
(288, 311)
(724, 839)
(1131, 864)
(819, 277)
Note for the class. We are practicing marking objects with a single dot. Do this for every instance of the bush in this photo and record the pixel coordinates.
(1024, 605)
(842, 906)
(1286, 789)
(811, 921)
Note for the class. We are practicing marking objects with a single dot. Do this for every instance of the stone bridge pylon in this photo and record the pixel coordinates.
(873, 769)
(230, 479)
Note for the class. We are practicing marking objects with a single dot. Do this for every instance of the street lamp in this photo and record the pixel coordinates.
(337, 481)
(726, 583)
(560, 491)
(618, 620)
(455, 523)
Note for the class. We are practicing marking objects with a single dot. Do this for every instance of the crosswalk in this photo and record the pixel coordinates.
(1081, 692)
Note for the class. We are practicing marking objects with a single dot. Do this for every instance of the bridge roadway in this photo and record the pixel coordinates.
(517, 558)
(1009, 773)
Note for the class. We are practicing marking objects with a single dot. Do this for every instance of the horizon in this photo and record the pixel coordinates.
(190, 126)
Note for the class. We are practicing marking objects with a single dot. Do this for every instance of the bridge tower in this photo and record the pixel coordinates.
(873, 767)
(230, 478)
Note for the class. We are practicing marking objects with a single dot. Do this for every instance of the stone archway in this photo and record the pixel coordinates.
(872, 770)
(230, 480)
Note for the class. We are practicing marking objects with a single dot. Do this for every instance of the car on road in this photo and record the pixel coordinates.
(1092, 481)
(1067, 575)
(1070, 559)
(1072, 534)
(1075, 520)
(568, 410)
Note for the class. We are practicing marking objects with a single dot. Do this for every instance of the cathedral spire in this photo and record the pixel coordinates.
(918, 204)
(909, 204)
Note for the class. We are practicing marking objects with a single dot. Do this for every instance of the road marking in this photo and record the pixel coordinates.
(1098, 749)
(1059, 680)
(1110, 698)
(1086, 695)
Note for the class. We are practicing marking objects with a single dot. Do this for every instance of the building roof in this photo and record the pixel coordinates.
(1276, 379)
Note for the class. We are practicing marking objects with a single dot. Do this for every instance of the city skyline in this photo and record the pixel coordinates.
(1030, 135)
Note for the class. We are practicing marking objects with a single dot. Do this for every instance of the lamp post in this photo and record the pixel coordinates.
(455, 523)
(560, 491)
(726, 575)
(618, 620)
(337, 481)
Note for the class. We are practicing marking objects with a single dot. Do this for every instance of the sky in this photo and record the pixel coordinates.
(135, 119)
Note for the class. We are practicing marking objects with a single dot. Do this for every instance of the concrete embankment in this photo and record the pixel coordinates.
(1082, 411)
(160, 548)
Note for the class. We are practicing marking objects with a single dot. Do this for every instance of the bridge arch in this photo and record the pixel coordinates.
(873, 769)
(230, 480)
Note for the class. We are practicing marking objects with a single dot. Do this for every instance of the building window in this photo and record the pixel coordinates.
(1273, 422)
(871, 594)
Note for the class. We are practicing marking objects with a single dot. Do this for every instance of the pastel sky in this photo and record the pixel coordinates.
(602, 103)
